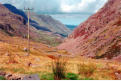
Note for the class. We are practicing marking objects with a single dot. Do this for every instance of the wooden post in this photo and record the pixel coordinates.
(28, 36)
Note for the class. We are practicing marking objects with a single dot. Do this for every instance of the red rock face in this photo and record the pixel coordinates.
(95, 36)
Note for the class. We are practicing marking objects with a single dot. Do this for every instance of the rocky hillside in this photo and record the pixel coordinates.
(100, 35)
(10, 23)
(13, 23)
(47, 23)
(42, 22)
(16, 11)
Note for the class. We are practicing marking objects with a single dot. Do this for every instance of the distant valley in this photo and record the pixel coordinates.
(71, 27)
(48, 30)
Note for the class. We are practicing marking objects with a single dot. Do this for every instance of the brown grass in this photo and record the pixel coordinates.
(41, 61)
(86, 69)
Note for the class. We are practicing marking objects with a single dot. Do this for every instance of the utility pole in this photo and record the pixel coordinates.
(28, 36)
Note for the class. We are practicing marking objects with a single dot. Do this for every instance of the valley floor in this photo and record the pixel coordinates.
(14, 60)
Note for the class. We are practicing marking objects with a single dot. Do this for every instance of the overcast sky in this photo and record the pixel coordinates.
(69, 6)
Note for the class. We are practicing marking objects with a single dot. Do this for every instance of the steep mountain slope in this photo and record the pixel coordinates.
(16, 11)
(42, 22)
(47, 23)
(100, 35)
(13, 23)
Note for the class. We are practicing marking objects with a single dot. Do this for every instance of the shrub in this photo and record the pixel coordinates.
(58, 68)
(47, 77)
(2, 78)
(72, 76)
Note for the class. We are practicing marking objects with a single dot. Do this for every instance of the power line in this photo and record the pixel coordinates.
(28, 35)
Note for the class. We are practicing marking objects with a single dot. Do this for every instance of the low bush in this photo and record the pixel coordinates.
(59, 68)
(88, 79)
(71, 76)
(47, 77)
(2, 78)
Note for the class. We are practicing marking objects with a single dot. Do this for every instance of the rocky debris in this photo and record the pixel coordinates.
(7, 54)
(14, 78)
(9, 76)
(31, 77)
(25, 49)
(29, 64)
(2, 73)
(118, 75)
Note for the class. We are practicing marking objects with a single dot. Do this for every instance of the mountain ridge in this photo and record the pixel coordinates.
(41, 22)
(14, 22)
(51, 24)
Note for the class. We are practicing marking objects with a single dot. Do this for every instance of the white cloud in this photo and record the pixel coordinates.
(59, 5)
(82, 6)
(99, 5)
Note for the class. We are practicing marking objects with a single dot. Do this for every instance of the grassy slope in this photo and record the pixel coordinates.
(49, 39)
(14, 60)
(45, 36)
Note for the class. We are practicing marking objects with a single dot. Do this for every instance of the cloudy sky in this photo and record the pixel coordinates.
(69, 6)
